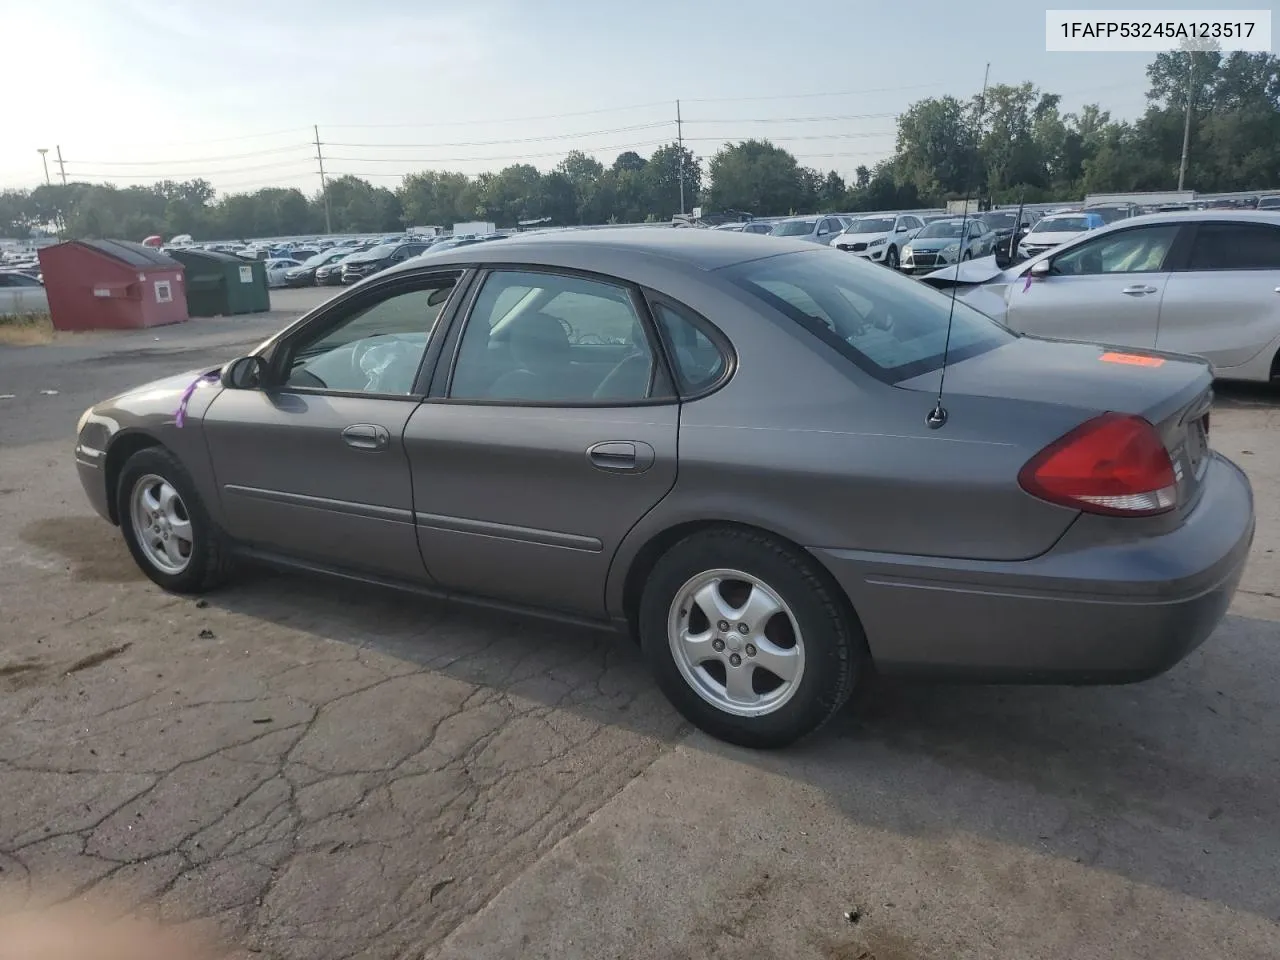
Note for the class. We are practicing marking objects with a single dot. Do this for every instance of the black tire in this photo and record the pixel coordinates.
(967, 256)
(835, 648)
(208, 564)
(891, 258)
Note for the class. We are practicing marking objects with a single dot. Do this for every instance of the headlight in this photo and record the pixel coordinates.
(877, 242)
(84, 418)
(950, 250)
(906, 251)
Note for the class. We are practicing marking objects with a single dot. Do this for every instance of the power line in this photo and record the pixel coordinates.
(469, 123)
(112, 175)
(808, 96)
(162, 163)
(498, 143)
(513, 156)
(828, 119)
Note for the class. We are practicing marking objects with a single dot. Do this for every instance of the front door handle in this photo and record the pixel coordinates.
(1138, 290)
(621, 456)
(366, 436)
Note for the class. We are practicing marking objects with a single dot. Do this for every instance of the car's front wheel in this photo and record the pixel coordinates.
(748, 638)
(165, 524)
(891, 258)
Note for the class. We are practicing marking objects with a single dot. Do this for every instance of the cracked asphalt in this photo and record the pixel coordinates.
(305, 769)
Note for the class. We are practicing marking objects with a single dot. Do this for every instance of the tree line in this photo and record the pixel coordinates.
(1015, 143)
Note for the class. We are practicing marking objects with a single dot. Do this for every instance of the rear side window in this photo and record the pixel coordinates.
(886, 323)
(698, 362)
(1235, 246)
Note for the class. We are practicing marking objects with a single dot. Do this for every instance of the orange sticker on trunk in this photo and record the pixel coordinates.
(1132, 359)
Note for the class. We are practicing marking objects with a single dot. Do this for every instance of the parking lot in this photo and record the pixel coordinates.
(316, 770)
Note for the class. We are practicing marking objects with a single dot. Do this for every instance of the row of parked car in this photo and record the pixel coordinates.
(919, 243)
(346, 265)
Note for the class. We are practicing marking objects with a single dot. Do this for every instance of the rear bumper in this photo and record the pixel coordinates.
(1091, 613)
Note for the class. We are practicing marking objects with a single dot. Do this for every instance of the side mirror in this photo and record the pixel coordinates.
(1041, 268)
(902, 228)
(244, 373)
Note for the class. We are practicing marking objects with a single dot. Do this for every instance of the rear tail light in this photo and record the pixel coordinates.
(1114, 464)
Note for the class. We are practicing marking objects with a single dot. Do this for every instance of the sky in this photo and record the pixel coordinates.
(134, 91)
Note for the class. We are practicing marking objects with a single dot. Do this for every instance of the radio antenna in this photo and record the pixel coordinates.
(938, 415)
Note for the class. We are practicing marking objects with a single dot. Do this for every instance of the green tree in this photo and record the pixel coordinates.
(757, 177)
(936, 151)
(667, 168)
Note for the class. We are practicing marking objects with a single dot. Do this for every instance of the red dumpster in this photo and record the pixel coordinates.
(111, 285)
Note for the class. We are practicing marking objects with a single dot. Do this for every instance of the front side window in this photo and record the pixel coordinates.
(549, 338)
(1141, 250)
(1235, 246)
(376, 350)
(889, 325)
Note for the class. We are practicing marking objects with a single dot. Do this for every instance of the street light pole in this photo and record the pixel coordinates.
(43, 151)
(1186, 121)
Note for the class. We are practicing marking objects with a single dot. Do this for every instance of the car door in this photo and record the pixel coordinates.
(551, 435)
(1224, 303)
(312, 464)
(1104, 288)
(828, 228)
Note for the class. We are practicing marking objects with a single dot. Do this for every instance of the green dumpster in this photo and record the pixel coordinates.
(219, 284)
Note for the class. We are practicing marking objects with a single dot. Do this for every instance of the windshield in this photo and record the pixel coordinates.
(794, 228)
(375, 253)
(1111, 214)
(318, 259)
(940, 228)
(1000, 221)
(1062, 225)
(1269, 203)
(889, 325)
(871, 225)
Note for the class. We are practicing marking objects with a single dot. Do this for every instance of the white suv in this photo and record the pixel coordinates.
(879, 237)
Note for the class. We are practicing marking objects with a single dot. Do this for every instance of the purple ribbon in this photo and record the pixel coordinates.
(180, 415)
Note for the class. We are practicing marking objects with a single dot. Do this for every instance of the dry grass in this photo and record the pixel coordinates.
(27, 329)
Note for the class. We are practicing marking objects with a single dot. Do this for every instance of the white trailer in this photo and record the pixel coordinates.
(473, 228)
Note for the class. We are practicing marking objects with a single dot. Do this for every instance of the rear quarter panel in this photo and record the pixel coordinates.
(803, 444)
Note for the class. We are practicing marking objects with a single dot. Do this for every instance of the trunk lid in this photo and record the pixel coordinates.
(1173, 392)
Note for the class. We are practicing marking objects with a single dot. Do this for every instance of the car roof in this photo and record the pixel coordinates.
(699, 249)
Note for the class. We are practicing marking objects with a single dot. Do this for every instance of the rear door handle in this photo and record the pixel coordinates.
(1138, 290)
(366, 436)
(621, 456)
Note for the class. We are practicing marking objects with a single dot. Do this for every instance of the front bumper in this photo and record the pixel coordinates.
(1080, 613)
(91, 466)
(932, 261)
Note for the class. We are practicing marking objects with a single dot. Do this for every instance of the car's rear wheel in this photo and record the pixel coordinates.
(165, 524)
(891, 258)
(967, 256)
(748, 638)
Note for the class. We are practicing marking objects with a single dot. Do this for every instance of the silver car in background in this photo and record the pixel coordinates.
(816, 229)
(1205, 283)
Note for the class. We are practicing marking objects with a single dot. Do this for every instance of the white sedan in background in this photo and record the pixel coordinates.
(879, 238)
(1055, 230)
(277, 268)
(1203, 282)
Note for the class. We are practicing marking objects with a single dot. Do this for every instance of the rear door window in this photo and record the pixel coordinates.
(1235, 246)
(699, 363)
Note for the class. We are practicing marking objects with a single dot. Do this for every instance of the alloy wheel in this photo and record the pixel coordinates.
(736, 642)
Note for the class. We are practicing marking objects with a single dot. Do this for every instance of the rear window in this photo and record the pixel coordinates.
(886, 323)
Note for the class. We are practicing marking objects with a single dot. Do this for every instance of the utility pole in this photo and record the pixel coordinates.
(1186, 121)
(44, 159)
(680, 141)
(62, 170)
(324, 184)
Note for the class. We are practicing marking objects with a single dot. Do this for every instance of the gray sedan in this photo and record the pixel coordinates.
(730, 448)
